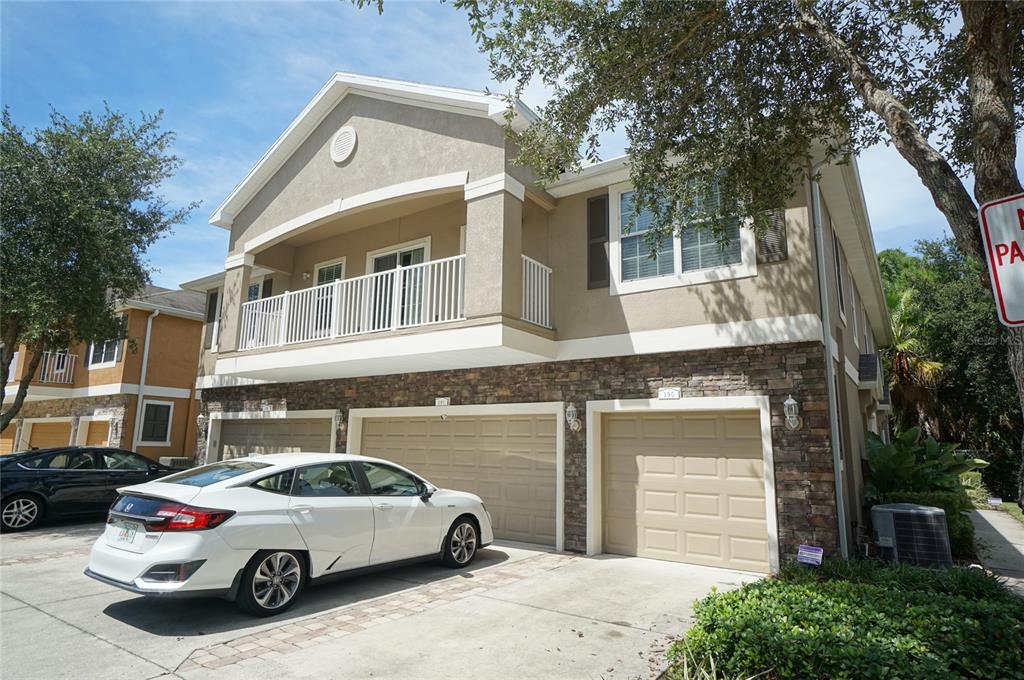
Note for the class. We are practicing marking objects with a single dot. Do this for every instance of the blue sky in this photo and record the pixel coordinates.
(230, 76)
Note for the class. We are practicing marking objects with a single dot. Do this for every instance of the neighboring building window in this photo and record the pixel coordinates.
(637, 262)
(156, 422)
(330, 271)
(838, 255)
(103, 352)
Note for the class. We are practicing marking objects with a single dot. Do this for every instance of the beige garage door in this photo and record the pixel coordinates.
(7, 439)
(509, 461)
(97, 434)
(48, 435)
(686, 487)
(247, 437)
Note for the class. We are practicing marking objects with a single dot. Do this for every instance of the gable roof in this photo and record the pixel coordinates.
(465, 102)
(185, 303)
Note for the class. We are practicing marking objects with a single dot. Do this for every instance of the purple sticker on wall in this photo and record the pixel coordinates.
(809, 554)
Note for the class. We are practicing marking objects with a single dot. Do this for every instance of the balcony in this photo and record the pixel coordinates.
(57, 368)
(405, 297)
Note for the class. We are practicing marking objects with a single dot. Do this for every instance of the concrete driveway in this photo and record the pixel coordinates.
(519, 611)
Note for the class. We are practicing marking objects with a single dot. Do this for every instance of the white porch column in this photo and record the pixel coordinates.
(494, 246)
(238, 269)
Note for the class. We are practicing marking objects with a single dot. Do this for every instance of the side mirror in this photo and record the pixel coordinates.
(426, 491)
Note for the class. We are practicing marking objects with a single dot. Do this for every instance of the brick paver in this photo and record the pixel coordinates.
(354, 618)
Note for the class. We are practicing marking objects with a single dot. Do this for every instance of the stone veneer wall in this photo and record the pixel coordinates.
(803, 459)
(115, 405)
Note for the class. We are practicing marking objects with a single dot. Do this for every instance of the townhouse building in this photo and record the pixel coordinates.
(395, 285)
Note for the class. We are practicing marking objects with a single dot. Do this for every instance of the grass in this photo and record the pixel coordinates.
(1014, 511)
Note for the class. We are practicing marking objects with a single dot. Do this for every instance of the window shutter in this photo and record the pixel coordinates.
(120, 350)
(268, 288)
(211, 316)
(597, 242)
(771, 245)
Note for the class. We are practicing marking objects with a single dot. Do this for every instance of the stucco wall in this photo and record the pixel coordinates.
(396, 143)
(779, 289)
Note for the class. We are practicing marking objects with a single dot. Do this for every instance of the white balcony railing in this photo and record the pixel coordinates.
(405, 297)
(536, 292)
(57, 367)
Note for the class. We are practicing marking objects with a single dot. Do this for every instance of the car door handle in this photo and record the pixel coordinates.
(384, 506)
(302, 508)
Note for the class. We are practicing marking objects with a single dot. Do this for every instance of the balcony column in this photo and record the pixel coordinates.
(494, 246)
(238, 270)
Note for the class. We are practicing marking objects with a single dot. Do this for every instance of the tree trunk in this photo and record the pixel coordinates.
(26, 377)
(989, 48)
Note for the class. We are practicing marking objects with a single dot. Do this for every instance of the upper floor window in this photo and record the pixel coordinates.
(330, 271)
(697, 255)
(253, 293)
(103, 354)
(637, 262)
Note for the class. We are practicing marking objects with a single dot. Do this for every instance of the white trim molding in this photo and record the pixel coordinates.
(218, 417)
(495, 184)
(23, 436)
(726, 403)
(142, 421)
(39, 392)
(852, 371)
(401, 191)
(591, 177)
(82, 434)
(555, 408)
(239, 260)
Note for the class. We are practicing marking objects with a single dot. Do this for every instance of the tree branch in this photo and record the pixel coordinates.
(948, 192)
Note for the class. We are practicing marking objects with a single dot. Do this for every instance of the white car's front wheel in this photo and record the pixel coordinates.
(461, 543)
(271, 582)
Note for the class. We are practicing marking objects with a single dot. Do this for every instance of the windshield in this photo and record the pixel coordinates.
(213, 473)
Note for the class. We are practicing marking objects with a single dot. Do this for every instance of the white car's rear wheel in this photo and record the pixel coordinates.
(271, 582)
(461, 543)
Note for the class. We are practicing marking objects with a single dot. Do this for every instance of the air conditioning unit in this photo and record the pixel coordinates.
(912, 534)
(176, 462)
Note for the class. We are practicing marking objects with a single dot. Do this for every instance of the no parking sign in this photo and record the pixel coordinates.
(1002, 233)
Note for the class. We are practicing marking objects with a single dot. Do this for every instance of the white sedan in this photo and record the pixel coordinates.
(257, 529)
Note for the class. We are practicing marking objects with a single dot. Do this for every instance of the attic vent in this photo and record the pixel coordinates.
(343, 144)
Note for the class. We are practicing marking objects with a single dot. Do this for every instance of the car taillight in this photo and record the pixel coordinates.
(187, 518)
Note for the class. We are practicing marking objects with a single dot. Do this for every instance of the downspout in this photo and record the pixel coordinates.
(136, 431)
(830, 371)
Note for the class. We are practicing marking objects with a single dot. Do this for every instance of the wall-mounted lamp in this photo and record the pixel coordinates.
(571, 418)
(792, 411)
(201, 423)
(306, 276)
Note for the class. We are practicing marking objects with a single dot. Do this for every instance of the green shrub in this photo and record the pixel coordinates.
(975, 489)
(909, 463)
(961, 530)
(862, 621)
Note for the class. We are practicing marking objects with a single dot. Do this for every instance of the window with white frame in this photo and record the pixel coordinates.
(102, 354)
(853, 301)
(637, 260)
(156, 423)
(331, 270)
(698, 255)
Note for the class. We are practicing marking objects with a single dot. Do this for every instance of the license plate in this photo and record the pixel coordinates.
(126, 533)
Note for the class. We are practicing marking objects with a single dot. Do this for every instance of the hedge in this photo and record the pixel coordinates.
(867, 620)
(961, 530)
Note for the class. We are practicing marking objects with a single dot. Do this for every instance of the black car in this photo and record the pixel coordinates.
(76, 480)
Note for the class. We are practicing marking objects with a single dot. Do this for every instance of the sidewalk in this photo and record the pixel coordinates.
(1001, 541)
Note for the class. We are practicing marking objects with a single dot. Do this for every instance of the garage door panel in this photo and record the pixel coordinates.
(509, 461)
(49, 435)
(695, 497)
(97, 433)
(248, 437)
